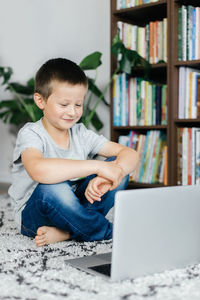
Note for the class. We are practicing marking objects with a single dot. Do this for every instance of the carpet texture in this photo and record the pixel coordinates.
(28, 272)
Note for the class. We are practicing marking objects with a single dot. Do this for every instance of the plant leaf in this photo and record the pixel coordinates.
(91, 62)
(96, 122)
(11, 104)
(6, 73)
(19, 119)
(21, 89)
(37, 112)
(96, 91)
(31, 83)
(128, 58)
(14, 116)
(117, 48)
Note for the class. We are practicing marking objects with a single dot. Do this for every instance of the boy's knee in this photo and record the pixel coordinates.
(54, 188)
(60, 192)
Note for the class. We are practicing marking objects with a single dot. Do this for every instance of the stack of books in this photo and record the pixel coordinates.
(131, 3)
(150, 41)
(188, 32)
(188, 156)
(189, 93)
(152, 149)
(137, 102)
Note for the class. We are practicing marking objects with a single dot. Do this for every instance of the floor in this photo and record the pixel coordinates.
(4, 188)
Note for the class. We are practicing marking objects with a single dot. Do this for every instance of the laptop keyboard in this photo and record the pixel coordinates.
(104, 269)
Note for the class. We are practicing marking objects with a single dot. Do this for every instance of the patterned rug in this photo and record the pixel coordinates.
(28, 272)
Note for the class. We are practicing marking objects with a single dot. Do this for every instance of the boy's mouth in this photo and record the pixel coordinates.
(68, 120)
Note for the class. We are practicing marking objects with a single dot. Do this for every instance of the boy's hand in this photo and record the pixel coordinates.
(112, 172)
(96, 188)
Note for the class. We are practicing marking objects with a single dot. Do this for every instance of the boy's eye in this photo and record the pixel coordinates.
(63, 105)
(78, 105)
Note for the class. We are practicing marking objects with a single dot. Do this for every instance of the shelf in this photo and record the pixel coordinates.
(142, 128)
(148, 12)
(188, 2)
(159, 66)
(166, 73)
(187, 122)
(140, 185)
(157, 72)
(188, 63)
(153, 66)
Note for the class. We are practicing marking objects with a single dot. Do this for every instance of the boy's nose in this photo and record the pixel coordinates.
(71, 110)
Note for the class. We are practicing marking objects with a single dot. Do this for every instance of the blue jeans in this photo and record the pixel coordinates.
(63, 206)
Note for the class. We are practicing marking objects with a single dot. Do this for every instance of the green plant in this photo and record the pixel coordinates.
(21, 108)
(127, 58)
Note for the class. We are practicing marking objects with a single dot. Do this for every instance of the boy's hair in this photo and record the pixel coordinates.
(58, 69)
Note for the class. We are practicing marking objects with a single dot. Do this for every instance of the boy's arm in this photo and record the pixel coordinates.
(126, 157)
(54, 170)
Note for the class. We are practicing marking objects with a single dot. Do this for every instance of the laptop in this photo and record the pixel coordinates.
(155, 229)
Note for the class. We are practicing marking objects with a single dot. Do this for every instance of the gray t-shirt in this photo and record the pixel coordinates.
(84, 144)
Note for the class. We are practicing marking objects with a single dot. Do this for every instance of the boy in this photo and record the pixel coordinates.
(57, 192)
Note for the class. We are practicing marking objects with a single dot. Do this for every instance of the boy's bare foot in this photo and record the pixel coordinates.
(50, 235)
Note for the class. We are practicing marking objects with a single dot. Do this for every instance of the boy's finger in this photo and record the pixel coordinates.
(96, 189)
(93, 193)
(94, 197)
(113, 186)
(88, 198)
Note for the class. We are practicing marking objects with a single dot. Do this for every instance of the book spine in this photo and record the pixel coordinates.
(140, 149)
(152, 155)
(193, 32)
(198, 96)
(180, 16)
(190, 96)
(142, 166)
(180, 153)
(199, 34)
(114, 102)
(165, 30)
(165, 180)
(158, 105)
(193, 150)
(181, 98)
(184, 32)
(197, 158)
(196, 32)
(189, 157)
(185, 156)
(164, 106)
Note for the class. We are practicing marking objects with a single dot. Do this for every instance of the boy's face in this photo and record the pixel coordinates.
(64, 107)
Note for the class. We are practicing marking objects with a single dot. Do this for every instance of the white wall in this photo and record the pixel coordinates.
(33, 31)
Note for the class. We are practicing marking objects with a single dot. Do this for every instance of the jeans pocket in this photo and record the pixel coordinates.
(27, 232)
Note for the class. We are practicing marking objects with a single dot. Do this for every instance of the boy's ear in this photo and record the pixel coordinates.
(39, 100)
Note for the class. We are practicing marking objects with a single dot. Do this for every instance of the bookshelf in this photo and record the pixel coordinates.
(164, 72)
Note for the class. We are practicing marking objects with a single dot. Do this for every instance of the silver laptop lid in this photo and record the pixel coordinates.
(154, 230)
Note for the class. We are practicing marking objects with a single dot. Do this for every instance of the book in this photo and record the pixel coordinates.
(158, 105)
(180, 16)
(197, 158)
(184, 32)
(179, 156)
(198, 97)
(165, 165)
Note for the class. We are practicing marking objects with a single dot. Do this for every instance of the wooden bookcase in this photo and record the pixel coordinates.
(164, 73)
